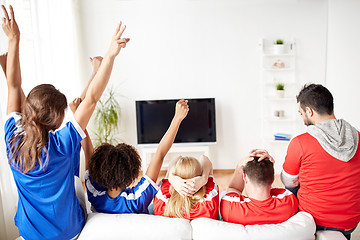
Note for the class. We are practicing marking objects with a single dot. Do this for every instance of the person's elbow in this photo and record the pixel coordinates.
(290, 181)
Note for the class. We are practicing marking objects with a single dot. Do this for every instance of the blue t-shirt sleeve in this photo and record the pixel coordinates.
(66, 140)
(93, 189)
(12, 125)
(142, 194)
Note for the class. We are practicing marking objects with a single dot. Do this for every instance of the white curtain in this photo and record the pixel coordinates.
(49, 53)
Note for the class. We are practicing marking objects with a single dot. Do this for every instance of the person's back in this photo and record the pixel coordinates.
(110, 170)
(44, 154)
(48, 207)
(323, 165)
(262, 205)
(202, 202)
(329, 187)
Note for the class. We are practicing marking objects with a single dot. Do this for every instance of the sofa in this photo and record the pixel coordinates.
(145, 226)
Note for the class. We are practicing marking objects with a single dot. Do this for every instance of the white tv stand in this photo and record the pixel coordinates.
(147, 152)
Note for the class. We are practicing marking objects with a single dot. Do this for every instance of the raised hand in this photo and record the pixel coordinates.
(245, 160)
(193, 185)
(3, 59)
(181, 109)
(74, 104)
(262, 154)
(117, 42)
(9, 25)
(181, 186)
(16, 95)
(96, 62)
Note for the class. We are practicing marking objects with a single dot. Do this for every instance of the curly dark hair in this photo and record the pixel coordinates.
(261, 172)
(114, 166)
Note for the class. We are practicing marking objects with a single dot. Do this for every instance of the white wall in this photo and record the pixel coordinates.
(190, 49)
(343, 66)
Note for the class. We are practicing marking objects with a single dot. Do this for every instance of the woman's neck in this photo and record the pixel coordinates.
(113, 193)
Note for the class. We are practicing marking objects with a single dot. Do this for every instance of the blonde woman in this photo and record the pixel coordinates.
(188, 191)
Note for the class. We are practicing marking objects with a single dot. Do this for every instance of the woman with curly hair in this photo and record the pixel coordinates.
(112, 169)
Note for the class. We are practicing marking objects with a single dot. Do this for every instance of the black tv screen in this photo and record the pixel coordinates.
(153, 118)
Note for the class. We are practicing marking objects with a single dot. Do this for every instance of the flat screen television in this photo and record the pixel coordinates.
(153, 117)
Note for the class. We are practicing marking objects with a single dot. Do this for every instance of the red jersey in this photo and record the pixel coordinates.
(278, 208)
(329, 188)
(206, 207)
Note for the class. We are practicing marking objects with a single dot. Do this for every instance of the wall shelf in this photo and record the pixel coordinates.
(272, 103)
(285, 69)
(278, 55)
(280, 119)
(284, 99)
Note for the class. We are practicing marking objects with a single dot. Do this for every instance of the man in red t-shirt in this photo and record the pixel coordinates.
(262, 205)
(324, 164)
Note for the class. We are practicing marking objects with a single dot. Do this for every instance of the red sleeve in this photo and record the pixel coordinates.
(230, 207)
(212, 188)
(293, 157)
(212, 198)
(161, 198)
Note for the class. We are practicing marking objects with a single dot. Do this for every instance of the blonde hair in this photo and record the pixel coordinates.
(182, 206)
(42, 111)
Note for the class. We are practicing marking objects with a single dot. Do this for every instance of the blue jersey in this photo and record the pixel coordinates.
(48, 207)
(130, 200)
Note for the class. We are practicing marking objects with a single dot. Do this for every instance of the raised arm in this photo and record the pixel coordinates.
(88, 148)
(262, 153)
(86, 143)
(3, 59)
(13, 74)
(95, 62)
(98, 85)
(167, 140)
(237, 182)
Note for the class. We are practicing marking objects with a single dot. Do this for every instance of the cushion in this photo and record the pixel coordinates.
(329, 235)
(135, 226)
(299, 227)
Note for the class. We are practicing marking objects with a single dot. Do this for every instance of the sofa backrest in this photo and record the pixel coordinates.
(135, 226)
(299, 227)
(144, 226)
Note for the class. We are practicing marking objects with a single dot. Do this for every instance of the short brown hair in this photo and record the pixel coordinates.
(260, 172)
(114, 166)
(317, 97)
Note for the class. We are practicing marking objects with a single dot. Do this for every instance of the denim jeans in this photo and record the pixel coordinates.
(294, 190)
(346, 233)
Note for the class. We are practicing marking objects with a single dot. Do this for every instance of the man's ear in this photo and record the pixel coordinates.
(245, 178)
(309, 111)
